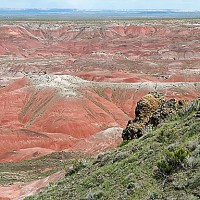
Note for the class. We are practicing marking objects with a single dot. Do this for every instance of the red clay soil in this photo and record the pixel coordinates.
(24, 154)
(99, 142)
(184, 78)
(41, 118)
(36, 121)
(117, 77)
(19, 191)
(113, 52)
(31, 119)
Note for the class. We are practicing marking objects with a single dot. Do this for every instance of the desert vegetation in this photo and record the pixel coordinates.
(161, 164)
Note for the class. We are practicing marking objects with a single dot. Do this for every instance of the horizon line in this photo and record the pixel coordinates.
(77, 9)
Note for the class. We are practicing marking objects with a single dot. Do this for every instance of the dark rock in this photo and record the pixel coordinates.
(143, 112)
(151, 110)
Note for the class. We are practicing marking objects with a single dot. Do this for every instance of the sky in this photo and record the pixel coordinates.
(103, 4)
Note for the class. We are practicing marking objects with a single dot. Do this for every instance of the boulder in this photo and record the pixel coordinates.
(151, 110)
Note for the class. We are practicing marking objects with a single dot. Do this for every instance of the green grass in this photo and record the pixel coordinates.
(131, 171)
(35, 169)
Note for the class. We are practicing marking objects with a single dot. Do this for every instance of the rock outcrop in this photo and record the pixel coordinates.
(151, 110)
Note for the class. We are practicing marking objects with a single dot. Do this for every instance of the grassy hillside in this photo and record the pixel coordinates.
(35, 169)
(163, 164)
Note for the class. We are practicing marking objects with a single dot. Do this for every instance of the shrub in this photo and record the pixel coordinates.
(75, 167)
(124, 142)
(192, 145)
(172, 160)
(95, 195)
(164, 166)
(102, 159)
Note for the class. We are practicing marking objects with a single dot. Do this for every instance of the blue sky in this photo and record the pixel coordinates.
(103, 4)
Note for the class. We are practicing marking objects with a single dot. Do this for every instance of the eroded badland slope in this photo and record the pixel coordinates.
(42, 106)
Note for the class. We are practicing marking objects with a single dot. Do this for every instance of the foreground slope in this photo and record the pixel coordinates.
(133, 172)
